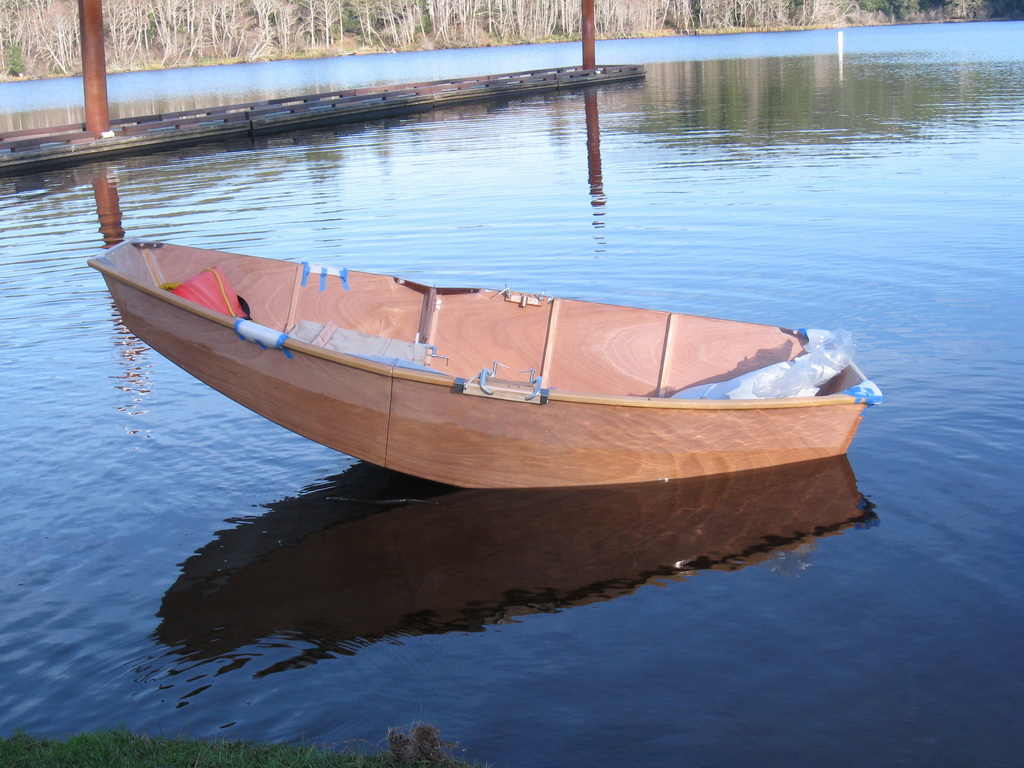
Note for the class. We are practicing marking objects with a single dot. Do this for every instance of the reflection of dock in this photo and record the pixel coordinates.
(335, 573)
(67, 144)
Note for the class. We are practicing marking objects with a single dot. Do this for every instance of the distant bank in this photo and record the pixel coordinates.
(41, 39)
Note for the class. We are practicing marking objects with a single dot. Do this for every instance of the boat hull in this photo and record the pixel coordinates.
(500, 444)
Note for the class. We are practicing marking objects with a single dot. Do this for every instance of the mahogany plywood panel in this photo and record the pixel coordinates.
(490, 443)
(374, 304)
(706, 349)
(475, 329)
(606, 349)
(341, 407)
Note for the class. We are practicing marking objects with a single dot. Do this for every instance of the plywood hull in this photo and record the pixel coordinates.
(333, 404)
(434, 426)
(505, 444)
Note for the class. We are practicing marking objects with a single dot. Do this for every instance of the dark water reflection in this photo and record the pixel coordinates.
(331, 572)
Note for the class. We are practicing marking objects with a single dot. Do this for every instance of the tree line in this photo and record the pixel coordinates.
(40, 38)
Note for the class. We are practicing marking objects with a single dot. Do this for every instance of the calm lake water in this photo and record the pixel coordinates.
(173, 563)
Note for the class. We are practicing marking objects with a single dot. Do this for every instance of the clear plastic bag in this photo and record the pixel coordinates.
(826, 354)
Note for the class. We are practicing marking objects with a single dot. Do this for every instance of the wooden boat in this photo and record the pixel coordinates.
(472, 387)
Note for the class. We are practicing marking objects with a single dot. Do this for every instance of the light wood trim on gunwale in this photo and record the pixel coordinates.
(443, 379)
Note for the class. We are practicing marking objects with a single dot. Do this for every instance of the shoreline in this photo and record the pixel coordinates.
(343, 52)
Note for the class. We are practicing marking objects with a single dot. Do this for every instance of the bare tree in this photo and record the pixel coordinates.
(323, 21)
(965, 9)
(50, 30)
(826, 12)
(127, 33)
(619, 19)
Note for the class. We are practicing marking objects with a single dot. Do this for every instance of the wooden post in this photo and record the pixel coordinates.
(589, 33)
(94, 66)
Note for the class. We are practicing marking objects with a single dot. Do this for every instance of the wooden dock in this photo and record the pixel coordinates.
(31, 149)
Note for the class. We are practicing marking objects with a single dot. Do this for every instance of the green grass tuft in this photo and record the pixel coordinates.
(123, 749)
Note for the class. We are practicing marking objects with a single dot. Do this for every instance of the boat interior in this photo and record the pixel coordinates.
(575, 346)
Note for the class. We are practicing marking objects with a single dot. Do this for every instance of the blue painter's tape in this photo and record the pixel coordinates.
(267, 338)
(865, 392)
(323, 271)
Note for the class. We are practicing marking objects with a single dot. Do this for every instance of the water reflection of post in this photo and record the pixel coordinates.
(595, 177)
(108, 207)
(840, 54)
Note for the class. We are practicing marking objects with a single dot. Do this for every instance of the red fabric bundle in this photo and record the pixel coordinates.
(212, 290)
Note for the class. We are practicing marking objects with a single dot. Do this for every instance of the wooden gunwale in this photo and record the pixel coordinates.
(443, 379)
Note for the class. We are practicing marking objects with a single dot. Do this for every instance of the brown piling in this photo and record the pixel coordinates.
(589, 34)
(94, 66)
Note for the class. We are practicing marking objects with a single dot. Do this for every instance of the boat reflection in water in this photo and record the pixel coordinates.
(371, 555)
